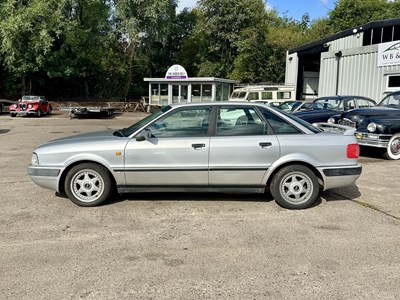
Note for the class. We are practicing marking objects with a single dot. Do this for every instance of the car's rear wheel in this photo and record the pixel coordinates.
(88, 184)
(393, 147)
(295, 187)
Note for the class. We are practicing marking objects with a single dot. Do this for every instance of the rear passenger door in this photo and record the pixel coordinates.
(241, 150)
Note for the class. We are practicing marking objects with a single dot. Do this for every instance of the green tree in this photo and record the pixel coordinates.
(221, 28)
(143, 27)
(350, 13)
(86, 48)
(28, 30)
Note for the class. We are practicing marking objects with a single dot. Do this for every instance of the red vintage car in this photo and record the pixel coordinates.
(31, 106)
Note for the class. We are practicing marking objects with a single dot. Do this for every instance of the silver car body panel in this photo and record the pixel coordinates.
(211, 163)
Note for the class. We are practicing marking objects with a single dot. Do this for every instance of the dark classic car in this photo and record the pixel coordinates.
(378, 126)
(31, 106)
(325, 107)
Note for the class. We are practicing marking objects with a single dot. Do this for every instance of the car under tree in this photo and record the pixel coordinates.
(31, 106)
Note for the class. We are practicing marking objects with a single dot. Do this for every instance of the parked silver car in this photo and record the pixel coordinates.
(202, 147)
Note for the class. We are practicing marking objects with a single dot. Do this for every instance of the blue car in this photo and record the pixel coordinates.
(326, 107)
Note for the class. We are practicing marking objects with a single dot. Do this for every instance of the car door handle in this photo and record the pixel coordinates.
(198, 146)
(265, 144)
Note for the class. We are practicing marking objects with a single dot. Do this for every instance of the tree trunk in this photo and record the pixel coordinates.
(87, 94)
(23, 91)
(130, 71)
(30, 86)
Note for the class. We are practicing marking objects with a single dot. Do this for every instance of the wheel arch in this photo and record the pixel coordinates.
(63, 176)
(295, 162)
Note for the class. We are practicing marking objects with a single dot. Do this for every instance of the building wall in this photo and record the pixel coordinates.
(358, 73)
(292, 63)
(348, 42)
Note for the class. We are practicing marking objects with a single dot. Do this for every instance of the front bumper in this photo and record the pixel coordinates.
(24, 113)
(340, 176)
(46, 177)
(373, 139)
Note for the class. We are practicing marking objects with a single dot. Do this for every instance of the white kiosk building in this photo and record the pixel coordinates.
(177, 87)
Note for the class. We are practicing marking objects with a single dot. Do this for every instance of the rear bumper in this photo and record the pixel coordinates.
(340, 176)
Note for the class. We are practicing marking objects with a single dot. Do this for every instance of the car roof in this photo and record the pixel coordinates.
(343, 97)
(216, 103)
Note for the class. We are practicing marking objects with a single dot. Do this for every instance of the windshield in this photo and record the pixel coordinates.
(30, 98)
(288, 105)
(326, 103)
(391, 100)
(238, 95)
(131, 129)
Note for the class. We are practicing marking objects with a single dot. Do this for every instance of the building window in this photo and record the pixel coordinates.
(196, 92)
(393, 82)
(159, 94)
(206, 94)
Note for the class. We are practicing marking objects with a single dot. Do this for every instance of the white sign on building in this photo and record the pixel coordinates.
(176, 72)
(389, 54)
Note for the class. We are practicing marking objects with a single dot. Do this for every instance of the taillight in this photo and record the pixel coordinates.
(353, 151)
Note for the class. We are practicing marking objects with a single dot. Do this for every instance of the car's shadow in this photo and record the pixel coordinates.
(339, 194)
(177, 196)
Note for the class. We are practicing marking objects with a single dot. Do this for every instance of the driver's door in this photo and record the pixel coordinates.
(176, 154)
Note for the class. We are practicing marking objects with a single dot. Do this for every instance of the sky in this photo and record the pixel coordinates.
(291, 8)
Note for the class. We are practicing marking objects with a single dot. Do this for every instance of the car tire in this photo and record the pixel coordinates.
(39, 113)
(393, 148)
(295, 187)
(88, 184)
(12, 115)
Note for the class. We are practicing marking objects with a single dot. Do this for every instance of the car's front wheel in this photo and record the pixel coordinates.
(393, 147)
(39, 113)
(88, 184)
(295, 187)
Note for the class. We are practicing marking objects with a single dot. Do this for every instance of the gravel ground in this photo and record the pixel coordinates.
(191, 246)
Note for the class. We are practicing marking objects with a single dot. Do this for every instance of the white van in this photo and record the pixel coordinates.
(264, 93)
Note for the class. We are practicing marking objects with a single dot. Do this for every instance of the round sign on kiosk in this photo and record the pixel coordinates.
(176, 72)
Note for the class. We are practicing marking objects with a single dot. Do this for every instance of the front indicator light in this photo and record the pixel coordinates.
(353, 151)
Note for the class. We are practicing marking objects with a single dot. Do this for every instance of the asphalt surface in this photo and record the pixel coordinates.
(191, 246)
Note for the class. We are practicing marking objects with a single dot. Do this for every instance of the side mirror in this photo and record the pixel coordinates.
(143, 135)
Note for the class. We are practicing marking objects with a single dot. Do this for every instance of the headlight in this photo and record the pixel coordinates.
(371, 127)
(34, 159)
(331, 120)
(30, 106)
(358, 119)
(14, 106)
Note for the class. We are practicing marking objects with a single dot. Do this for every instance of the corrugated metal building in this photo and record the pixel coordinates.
(364, 60)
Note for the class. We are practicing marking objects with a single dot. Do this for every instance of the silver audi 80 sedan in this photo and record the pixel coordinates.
(202, 147)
